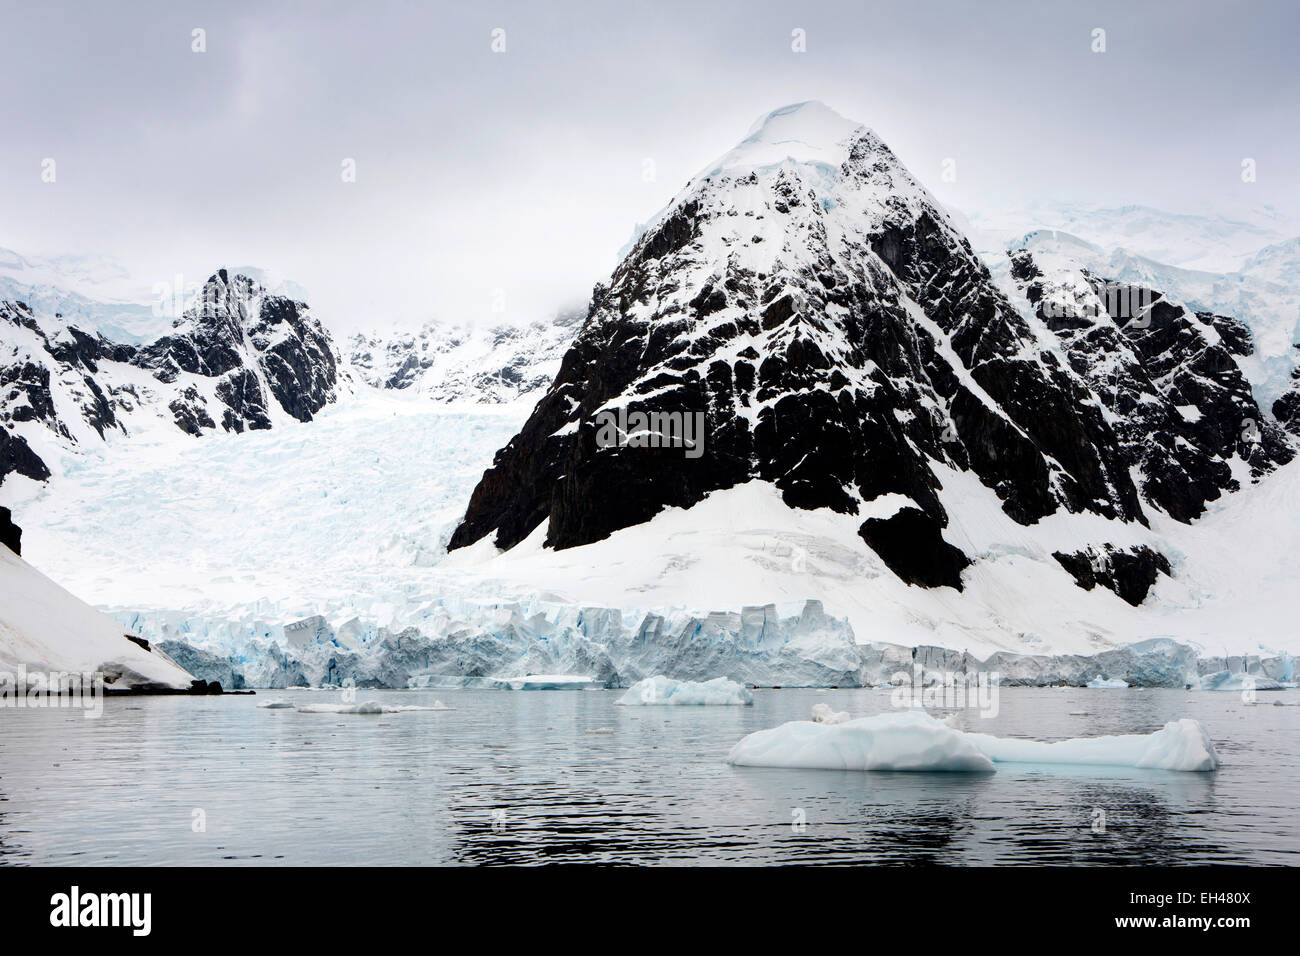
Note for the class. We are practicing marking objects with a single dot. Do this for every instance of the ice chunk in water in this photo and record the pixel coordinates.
(913, 740)
(822, 714)
(664, 690)
(909, 740)
(1103, 682)
(369, 707)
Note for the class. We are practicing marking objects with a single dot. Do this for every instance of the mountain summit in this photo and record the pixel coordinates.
(809, 302)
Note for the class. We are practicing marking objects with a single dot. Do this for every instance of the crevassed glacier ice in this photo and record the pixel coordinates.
(664, 690)
(794, 645)
(913, 740)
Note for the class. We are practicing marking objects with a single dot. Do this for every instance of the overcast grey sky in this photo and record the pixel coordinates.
(522, 171)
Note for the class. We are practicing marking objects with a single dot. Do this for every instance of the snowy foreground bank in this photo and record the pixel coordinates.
(914, 740)
(48, 635)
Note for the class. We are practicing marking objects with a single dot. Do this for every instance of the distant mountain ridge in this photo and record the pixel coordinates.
(457, 362)
(239, 358)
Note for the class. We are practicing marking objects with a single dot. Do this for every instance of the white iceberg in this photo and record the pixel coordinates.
(1179, 745)
(908, 740)
(823, 714)
(913, 740)
(278, 704)
(549, 682)
(369, 707)
(659, 690)
(1100, 682)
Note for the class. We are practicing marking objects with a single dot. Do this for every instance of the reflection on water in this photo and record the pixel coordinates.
(533, 777)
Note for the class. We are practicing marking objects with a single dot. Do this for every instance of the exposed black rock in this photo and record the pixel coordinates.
(11, 536)
(138, 641)
(17, 457)
(1182, 405)
(1287, 408)
(911, 543)
(1129, 573)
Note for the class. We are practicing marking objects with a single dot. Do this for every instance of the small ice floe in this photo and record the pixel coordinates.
(1100, 682)
(278, 704)
(548, 682)
(823, 714)
(913, 740)
(369, 707)
(659, 690)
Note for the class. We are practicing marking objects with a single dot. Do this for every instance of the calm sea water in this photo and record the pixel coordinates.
(540, 776)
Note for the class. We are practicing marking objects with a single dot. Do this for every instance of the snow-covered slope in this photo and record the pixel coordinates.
(44, 628)
(465, 362)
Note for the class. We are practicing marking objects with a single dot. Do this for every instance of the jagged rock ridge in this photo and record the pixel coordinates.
(239, 358)
(465, 362)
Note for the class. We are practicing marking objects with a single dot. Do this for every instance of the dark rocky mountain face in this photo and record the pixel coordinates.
(1168, 376)
(261, 348)
(11, 536)
(1287, 407)
(842, 341)
(236, 360)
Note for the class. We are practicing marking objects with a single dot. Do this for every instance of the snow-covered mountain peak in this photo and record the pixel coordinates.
(834, 334)
(808, 133)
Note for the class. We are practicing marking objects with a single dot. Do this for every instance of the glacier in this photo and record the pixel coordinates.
(380, 601)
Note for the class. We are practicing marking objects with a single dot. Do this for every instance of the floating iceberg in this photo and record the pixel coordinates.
(823, 714)
(664, 690)
(369, 707)
(549, 682)
(913, 740)
(908, 740)
(279, 704)
(1103, 682)
(1179, 745)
